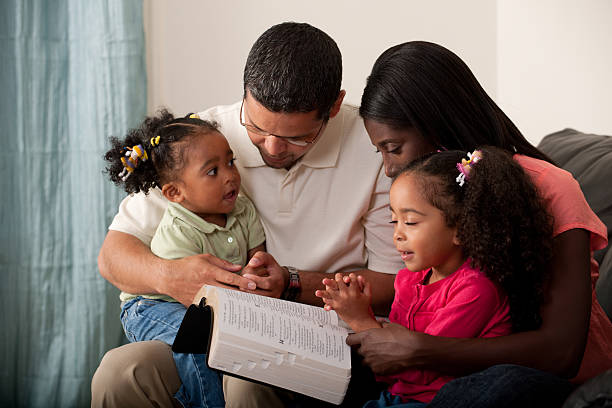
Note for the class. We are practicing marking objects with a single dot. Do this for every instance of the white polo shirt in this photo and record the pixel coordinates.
(329, 212)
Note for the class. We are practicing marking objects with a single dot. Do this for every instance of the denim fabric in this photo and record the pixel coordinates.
(388, 400)
(146, 319)
(504, 386)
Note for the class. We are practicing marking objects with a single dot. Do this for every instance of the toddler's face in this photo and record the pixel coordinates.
(209, 180)
(421, 235)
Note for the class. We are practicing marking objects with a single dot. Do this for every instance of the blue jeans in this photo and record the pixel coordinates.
(504, 386)
(388, 400)
(146, 319)
(500, 386)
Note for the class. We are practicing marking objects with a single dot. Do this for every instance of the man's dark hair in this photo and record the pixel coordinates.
(294, 67)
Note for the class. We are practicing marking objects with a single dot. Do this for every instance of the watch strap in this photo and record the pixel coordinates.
(294, 287)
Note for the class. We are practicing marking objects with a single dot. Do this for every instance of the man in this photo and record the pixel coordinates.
(318, 185)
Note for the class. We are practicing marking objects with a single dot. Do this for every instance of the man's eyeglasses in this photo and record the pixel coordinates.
(296, 141)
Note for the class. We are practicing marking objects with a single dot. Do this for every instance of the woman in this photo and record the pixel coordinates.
(420, 97)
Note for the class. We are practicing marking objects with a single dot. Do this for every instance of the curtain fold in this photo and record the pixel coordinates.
(72, 73)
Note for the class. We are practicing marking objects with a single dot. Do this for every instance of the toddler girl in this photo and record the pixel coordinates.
(193, 165)
(475, 239)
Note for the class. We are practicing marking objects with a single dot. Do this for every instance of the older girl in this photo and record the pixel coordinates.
(421, 97)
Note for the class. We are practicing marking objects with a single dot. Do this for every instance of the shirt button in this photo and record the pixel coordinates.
(230, 240)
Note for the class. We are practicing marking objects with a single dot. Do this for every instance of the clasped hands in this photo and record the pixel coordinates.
(387, 348)
(270, 278)
(186, 276)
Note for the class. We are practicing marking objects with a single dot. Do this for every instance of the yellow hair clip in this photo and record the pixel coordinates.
(194, 116)
(130, 161)
(154, 141)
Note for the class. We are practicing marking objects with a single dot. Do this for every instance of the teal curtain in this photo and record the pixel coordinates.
(72, 72)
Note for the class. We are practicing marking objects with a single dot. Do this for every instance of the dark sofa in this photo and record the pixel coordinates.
(589, 158)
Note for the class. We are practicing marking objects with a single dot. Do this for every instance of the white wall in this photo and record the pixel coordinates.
(555, 65)
(197, 49)
(546, 62)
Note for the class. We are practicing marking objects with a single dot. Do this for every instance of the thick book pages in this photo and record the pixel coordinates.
(289, 345)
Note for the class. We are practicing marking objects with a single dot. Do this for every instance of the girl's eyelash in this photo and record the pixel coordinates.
(393, 222)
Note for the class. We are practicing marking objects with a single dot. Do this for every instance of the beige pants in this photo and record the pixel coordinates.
(139, 374)
(143, 374)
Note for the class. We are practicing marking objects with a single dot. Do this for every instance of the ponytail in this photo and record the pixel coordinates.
(150, 155)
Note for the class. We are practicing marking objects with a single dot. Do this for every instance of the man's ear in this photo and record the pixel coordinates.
(172, 191)
(336, 106)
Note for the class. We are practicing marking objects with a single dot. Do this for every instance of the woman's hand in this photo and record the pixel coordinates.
(389, 350)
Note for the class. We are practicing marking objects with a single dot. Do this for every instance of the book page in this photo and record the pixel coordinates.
(293, 327)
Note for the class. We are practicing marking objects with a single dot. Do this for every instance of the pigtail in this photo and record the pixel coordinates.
(153, 153)
(504, 227)
(132, 161)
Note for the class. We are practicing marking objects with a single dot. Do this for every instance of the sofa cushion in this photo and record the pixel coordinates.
(595, 393)
(603, 287)
(589, 158)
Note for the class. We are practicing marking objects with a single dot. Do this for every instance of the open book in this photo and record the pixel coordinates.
(293, 346)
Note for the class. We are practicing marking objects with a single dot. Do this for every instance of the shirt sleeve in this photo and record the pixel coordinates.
(474, 308)
(382, 255)
(569, 208)
(256, 235)
(140, 214)
(175, 241)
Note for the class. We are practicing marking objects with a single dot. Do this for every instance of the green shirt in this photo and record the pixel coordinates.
(182, 233)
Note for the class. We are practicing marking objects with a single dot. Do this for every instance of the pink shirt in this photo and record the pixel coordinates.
(566, 203)
(464, 304)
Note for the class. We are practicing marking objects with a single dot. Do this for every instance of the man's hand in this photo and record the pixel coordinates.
(389, 350)
(187, 275)
(270, 277)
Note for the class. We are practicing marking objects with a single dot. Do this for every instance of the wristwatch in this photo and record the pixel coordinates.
(294, 287)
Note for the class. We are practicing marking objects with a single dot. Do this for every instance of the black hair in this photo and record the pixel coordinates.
(425, 86)
(165, 159)
(502, 223)
(294, 67)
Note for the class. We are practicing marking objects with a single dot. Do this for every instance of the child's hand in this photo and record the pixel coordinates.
(350, 296)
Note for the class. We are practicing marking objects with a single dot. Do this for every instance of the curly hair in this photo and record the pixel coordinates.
(501, 222)
(166, 159)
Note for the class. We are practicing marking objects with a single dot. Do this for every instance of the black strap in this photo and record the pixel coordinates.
(194, 333)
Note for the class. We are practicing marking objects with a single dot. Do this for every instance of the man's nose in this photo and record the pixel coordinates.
(274, 145)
